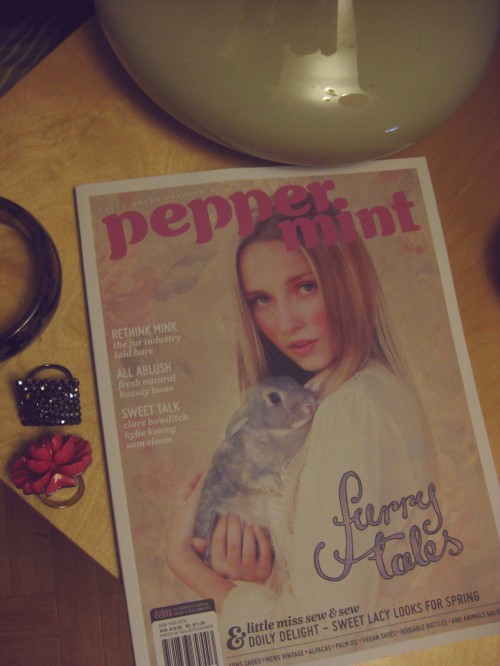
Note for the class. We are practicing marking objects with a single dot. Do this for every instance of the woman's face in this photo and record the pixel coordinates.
(287, 303)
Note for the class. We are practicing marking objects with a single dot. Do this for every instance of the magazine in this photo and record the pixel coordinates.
(298, 463)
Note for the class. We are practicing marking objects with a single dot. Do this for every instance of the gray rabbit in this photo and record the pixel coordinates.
(262, 436)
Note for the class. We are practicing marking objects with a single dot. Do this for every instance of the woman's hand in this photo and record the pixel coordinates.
(240, 551)
(236, 552)
(180, 540)
(183, 551)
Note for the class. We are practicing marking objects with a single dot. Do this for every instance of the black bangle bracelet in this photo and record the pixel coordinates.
(49, 275)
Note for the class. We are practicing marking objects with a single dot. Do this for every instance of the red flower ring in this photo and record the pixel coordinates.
(51, 464)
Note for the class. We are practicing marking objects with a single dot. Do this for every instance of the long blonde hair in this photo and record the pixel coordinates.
(354, 303)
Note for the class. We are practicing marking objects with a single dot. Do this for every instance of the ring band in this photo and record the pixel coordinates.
(50, 366)
(49, 276)
(63, 504)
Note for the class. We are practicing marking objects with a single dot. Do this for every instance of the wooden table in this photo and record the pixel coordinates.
(78, 118)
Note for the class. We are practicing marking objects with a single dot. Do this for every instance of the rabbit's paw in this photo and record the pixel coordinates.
(271, 484)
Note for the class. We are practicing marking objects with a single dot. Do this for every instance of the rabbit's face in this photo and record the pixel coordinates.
(280, 403)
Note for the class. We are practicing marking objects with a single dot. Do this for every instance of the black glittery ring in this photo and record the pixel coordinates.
(49, 276)
(49, 401)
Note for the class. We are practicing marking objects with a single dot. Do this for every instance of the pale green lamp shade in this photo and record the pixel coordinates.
(310, 82)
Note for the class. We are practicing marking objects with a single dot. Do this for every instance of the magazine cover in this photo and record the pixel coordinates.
(298, 463)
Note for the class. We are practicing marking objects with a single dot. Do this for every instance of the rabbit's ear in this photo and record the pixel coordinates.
(236, 423)
(240, 416)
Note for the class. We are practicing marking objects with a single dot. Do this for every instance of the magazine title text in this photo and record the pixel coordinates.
(306, 211)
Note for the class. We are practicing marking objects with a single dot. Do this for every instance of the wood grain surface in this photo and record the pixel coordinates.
(57, 606)
(78, 118)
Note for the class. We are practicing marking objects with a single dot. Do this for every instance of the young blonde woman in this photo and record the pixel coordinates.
(318, 315)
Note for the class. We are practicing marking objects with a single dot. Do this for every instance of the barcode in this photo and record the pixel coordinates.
(198, 649)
